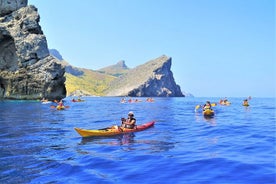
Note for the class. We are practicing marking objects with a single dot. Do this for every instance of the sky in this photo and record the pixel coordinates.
(219, 48)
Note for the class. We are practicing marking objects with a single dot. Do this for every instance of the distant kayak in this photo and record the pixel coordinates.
(114, 130)
(60, 107)
(225, 103)
(78, 100)
(208, 112)
(245, 102)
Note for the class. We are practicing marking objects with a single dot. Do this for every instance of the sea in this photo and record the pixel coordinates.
(38, 144)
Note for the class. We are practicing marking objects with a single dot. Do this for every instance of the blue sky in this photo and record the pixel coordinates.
(219, 48)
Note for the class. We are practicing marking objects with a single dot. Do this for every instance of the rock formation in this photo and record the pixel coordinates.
(27, 71)
(8, 6)
(116, 70)
(68, 68)
(153, 78)
(56, 54)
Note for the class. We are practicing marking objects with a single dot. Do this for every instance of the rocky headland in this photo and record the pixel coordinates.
(152, 79)
(27, 70)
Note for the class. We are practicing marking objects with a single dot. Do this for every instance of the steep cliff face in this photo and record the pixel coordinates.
(27, 71)
(153, 78)
(8, 6)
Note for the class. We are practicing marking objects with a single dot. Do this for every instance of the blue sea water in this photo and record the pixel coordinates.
(38, 144)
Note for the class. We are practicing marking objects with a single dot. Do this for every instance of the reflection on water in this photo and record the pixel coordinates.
(211, 120)
(128, 142)
(122, 139)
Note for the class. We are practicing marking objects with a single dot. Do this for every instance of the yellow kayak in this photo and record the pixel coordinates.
(208, 112)
(60, 107)
(114, 130)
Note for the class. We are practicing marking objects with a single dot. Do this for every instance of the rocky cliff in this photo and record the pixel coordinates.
(27, 71)
(153, 78)
(118, 69)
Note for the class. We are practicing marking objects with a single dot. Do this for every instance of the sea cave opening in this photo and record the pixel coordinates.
(8, 57)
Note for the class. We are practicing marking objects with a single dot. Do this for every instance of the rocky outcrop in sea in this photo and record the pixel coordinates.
(27, 70)
(153, 78)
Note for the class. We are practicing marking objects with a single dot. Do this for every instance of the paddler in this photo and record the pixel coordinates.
(245, 102)
(60, 104)
(129, 122)
(207, 105)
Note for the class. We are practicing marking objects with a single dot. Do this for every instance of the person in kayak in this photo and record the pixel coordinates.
(60, 103)
(207, 105)
(129, 122)
(245, 102)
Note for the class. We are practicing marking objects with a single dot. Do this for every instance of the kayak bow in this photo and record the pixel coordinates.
(208, 112)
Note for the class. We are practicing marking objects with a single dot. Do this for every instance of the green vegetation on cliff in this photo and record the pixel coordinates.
(91, 81)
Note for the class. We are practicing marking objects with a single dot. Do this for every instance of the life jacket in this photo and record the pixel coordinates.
(207, 106)
(245, 103)
(129, 126)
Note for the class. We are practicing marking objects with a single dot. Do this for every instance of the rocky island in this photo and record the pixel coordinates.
(27, 70)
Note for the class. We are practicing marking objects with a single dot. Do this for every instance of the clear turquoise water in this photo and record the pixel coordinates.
(39, 145)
